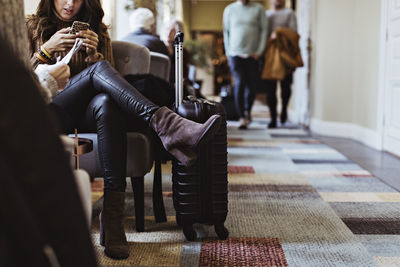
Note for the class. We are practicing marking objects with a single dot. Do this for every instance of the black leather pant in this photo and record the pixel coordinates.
(99, 99)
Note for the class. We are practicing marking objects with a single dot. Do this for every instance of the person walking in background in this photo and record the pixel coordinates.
(143, 27)
(279, 18)
(245, 35)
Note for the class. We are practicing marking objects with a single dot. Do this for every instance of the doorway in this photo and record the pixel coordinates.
(390, 76)
(301, 86)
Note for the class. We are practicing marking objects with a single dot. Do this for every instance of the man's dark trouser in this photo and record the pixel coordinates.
(245, 73)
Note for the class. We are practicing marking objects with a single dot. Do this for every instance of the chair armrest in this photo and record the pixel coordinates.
(82, 179)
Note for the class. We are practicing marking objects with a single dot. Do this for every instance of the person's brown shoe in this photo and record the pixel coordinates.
(112, 234)
(181, 136)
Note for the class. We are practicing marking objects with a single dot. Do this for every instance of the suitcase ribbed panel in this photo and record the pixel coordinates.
(200, 192)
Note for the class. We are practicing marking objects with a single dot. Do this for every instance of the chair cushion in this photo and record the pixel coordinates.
(139, 156)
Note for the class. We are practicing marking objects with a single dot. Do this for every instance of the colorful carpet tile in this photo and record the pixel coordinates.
(255, 252)
(241, 169)
(293, 201)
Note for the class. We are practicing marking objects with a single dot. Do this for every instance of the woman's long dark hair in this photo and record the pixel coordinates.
(44, 22)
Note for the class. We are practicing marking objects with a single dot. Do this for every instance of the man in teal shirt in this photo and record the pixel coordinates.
(245, 35)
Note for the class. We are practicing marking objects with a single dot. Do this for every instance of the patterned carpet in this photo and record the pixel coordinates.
(293, 201)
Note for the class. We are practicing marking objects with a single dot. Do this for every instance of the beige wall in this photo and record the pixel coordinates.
(366, 72)
(206, 15)
(345, 60)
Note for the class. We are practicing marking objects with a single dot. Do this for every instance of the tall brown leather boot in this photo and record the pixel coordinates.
(112, 234)
(181, 136)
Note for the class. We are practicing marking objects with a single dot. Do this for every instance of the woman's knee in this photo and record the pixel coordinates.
(98, 66)
(102, 64)
(101, 105)
(103, 113)
(100, 101)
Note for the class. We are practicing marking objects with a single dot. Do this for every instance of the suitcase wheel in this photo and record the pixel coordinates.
(221, 231)
(189, 232)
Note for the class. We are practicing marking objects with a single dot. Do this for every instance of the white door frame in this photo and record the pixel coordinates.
(300, 113)
(382, 70)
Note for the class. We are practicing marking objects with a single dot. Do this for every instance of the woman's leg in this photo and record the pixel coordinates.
(271, 101)
(104, 116)
(251, 73)
(178, 135)
(286, 91)
(81, 108)
(98, 113)
(102, 78)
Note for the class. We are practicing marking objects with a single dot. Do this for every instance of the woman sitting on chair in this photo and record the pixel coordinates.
(97, 95)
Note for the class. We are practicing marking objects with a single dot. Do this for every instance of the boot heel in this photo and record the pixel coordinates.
(102, 233)
(112, 225)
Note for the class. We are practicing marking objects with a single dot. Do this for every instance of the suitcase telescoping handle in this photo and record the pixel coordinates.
(178, 43)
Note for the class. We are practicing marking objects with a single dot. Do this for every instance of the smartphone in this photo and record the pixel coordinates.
(79, 26)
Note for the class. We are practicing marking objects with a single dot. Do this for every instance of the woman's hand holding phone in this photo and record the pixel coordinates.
(90, 41)
(60, 41)
(64, 39)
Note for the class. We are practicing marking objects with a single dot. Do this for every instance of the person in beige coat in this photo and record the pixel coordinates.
(278, 17)
(283, 55)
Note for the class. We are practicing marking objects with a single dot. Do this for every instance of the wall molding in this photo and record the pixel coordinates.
(356, 132)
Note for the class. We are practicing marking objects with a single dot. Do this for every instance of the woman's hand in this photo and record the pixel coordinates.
(60, 72)
(90, 41)
(60, 41)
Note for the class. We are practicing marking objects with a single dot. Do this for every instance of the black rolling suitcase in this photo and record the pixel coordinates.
(200, 192)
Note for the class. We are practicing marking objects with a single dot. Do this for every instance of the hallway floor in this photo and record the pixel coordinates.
(383, 165)
(293, 201)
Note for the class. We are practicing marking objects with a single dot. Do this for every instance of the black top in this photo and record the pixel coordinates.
(145, 38)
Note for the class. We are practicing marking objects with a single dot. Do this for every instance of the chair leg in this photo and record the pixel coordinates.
(158, 201)
(138, 194)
